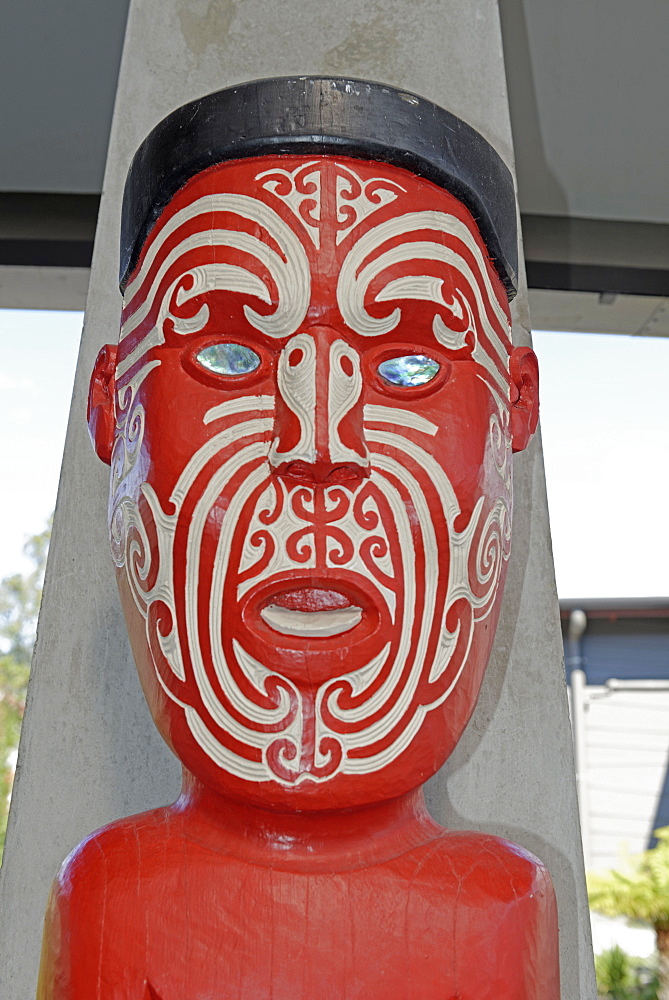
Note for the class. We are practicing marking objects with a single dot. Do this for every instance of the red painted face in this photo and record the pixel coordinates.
(311, 475)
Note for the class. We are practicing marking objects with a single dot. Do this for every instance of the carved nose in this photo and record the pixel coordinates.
(319, 436)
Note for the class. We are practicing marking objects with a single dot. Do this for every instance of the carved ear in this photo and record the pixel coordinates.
(524, 371)
(100, 413)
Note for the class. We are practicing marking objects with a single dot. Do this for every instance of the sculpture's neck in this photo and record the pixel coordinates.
(318, 840)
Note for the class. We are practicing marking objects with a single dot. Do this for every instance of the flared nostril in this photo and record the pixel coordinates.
(293, 470)
(348, 474)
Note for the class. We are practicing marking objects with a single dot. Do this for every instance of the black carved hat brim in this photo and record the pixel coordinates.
(322, 115)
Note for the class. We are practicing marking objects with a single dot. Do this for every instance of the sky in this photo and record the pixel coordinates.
(605, 425)
(38, 355)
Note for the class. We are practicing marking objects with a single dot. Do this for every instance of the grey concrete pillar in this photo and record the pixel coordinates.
(89, 753)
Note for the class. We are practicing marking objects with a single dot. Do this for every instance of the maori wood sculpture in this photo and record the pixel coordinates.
(309, 417)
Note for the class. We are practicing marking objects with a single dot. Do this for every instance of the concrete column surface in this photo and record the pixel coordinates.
(89, 752)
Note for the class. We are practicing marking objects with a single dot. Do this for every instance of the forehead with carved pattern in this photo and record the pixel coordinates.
(365, 246)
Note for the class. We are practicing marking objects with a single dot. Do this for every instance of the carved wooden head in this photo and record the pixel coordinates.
(310, 417)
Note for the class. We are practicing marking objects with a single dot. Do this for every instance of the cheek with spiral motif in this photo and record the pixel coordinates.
(314, 411)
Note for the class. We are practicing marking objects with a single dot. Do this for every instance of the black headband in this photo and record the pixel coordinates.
(322, 115)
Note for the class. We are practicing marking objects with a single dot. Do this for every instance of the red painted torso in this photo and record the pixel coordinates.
(158, 906)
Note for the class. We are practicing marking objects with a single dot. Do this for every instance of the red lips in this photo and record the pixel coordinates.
(311, 599)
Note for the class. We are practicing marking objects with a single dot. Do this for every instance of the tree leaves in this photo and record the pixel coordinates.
(20, 597)
(641, 893)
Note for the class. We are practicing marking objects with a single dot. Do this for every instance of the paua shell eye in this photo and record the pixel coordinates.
(228, 359)
(409, 370)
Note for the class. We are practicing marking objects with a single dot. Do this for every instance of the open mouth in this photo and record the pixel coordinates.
(311, 613)
(311, 629)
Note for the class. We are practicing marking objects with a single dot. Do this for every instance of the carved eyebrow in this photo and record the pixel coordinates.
(289, 269)
(395, 415)
(242, 404)
(364, 264)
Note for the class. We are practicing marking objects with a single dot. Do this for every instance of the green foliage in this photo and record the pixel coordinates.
(642, 892)
(622, 977)
(20, 597)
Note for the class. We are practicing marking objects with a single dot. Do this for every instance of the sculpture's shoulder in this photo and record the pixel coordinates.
(481, 869)
(104, 860)
(503, 869)
(101, 893)
(492, 901)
